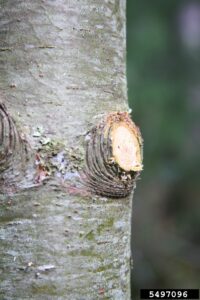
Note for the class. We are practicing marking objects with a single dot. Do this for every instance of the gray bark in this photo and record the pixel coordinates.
(62, 65)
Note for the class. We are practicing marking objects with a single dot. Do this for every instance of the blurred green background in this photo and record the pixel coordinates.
(163, 66)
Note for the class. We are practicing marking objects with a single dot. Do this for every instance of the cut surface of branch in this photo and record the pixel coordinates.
(114, 156)
(126, 147)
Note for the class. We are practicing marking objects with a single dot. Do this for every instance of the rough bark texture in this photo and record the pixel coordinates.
(62, 65)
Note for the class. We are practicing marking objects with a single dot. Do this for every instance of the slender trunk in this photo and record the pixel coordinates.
(62, 65)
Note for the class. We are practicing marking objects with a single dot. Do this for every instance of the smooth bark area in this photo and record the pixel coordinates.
(62, 65)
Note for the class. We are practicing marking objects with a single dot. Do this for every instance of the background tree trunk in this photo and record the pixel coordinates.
(62, 65)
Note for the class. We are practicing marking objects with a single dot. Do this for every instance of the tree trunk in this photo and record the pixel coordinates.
(62, 66)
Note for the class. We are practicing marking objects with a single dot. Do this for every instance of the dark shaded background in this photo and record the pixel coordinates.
(164, 93)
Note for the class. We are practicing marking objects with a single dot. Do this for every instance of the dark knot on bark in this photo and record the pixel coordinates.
(113, 156)
(12, 147)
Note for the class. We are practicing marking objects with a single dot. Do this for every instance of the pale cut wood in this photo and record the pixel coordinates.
(126, 148)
